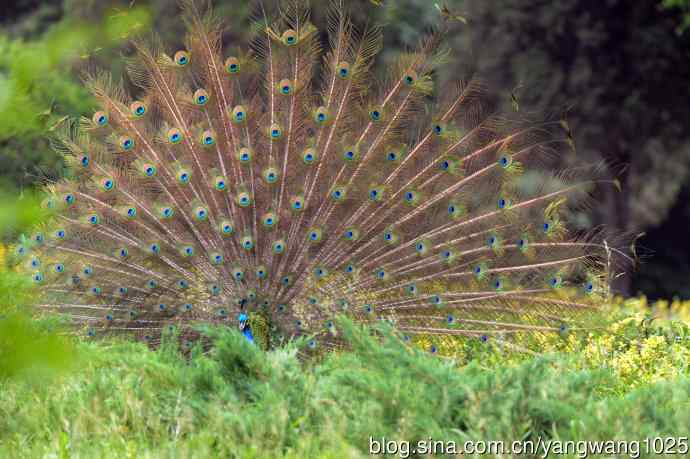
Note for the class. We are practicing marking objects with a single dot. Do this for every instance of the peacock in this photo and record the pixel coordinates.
(277, 188)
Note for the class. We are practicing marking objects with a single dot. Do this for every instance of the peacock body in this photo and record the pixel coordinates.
(286, 183)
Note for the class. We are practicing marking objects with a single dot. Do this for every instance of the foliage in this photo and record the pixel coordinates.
(19, 214)
(29, 349)
(36, 94)
(684, 7)
(664, 310)
(639, 343)
(237, 401)
(28, 346)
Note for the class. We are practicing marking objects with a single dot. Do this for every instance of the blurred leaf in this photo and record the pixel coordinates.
(28, 344)
(19, 215)
(449, 15)
(124, 24)
(514, 98)
(684, 7)
(38, 86)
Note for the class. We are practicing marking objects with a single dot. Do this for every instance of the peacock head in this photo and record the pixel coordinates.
(243, 320)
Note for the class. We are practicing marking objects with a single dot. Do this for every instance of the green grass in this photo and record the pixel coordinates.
(123, 400)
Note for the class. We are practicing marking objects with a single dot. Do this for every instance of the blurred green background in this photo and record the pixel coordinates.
(618, 69)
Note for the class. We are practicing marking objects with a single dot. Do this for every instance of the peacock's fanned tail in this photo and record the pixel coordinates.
(239, 183)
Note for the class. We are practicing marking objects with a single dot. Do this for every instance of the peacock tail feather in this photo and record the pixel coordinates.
(289, 184)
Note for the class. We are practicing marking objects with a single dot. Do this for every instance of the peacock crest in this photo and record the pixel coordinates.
(283, 186)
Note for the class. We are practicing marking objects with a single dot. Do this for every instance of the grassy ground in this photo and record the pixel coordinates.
(119, 399)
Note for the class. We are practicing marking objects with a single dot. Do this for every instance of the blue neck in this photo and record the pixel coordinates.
(247, 332)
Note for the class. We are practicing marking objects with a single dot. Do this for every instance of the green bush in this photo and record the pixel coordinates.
(237, 401)
(29, 345)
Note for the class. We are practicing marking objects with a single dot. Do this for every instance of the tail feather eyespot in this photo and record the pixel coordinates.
(138, 109)
(100, 119)
(232, 65)
(182, 58)
(290, 37)
(200, 97)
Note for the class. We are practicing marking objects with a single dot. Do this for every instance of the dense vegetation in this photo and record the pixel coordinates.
(119, 399)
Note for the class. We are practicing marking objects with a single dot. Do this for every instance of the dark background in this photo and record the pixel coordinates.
(619, 69)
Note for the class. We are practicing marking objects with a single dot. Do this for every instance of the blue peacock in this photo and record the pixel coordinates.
(278, 188)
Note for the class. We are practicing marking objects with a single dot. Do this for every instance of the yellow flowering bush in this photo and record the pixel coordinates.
(638, 341)
(638, 359)
(3, 257)
(676, 309)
